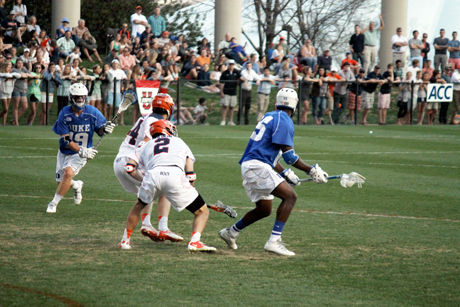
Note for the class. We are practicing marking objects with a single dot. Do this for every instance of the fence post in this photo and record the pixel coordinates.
(356, 102)
(47, 108)
(114, 96)
(240, 103)
(411, 101)
(178, 101)
(299, 102)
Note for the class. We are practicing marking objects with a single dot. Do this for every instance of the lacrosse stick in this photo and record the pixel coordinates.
(129, 98)
(346, 180)
(220, 207)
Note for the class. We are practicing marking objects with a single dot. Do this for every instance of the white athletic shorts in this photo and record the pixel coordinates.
(259, 180)
(228, 101)
(130, 184)
(64, 161)
(168, 181)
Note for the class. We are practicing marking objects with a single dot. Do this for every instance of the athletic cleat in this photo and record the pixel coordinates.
(222, 123)
(225, 235)
(169, 235)
(278, 247)
(77, 196)
(151, 232)
(199, 246)
(124, 245)
(51, 208)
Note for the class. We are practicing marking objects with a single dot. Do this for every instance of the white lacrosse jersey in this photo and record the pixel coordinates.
(137, 134)
(163, 151)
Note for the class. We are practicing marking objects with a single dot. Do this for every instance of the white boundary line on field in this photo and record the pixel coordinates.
(249, 208)
(300, 153)
(238, 155)
(421, 137)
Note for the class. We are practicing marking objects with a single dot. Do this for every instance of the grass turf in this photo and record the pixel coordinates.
(395, 242)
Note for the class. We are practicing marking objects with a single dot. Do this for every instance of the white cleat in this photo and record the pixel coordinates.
(169, 235)
(77, 196)
(222, 123)
(225, 235)
(200, 247)
(278, 247)
(152, 233)
(51, 208)
(124, 245)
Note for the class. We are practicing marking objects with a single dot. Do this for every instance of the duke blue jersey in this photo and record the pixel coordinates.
(275, 129)
(79, 128)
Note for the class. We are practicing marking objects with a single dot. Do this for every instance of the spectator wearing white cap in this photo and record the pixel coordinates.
(115, 75)
(138, 22)
(26, 59)
(64, 27)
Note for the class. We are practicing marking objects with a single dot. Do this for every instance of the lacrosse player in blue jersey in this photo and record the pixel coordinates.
(76, 124)
(272, 139)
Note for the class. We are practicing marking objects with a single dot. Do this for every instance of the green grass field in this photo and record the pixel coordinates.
(395, 242)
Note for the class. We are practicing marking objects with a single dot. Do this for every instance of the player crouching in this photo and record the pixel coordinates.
(162, 106)
(272, 139)
(76, 124)
(168, 163)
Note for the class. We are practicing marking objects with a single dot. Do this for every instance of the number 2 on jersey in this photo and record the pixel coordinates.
(261, 126)
(161, 146)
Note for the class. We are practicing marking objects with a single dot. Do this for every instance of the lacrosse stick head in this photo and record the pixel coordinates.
(129, 98)
(348, 180)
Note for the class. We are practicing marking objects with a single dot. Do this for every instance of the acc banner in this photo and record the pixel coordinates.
(439, 92)
(146, 90)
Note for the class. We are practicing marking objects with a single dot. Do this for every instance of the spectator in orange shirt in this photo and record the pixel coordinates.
(427, 68)
(354, 65)
(124, 31)
(127, 62)
(204, 58)
(332, 76)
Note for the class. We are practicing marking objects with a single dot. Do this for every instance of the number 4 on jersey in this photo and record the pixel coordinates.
(261, 127)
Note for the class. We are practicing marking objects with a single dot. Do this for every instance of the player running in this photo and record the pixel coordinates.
(76, 124)
(168, 164)
(162, 106)
(272, 139)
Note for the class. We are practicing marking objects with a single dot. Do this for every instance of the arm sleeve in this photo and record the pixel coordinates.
(60, 127)
(100, 120)
(283, 130)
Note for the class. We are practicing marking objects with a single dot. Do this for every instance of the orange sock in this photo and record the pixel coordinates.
(127, 234)
(196, 236)
(143, 216)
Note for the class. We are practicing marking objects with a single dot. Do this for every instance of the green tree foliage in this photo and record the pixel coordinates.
(100, 15)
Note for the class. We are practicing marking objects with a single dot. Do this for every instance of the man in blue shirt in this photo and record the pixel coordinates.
(76, 124)
(272, 139)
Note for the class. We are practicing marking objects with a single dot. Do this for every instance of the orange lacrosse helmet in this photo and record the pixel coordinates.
(163, 127)
(163, 102)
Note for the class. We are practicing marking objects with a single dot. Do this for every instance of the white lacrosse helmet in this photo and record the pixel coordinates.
(78, 94)
(287, 99)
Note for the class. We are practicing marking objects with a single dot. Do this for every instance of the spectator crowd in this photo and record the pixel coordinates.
(35, 66)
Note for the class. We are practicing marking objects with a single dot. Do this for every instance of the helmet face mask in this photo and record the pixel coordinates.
(287, 99)
(78, 94)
